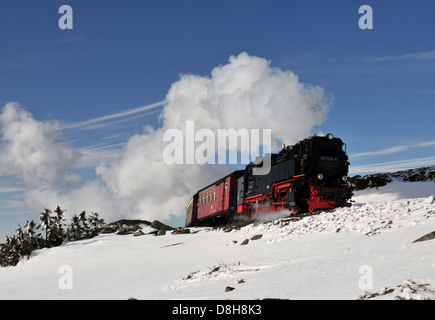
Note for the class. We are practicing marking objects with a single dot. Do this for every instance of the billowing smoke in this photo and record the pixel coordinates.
(246, 93)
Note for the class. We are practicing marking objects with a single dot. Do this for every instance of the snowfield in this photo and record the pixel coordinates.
(362, 252)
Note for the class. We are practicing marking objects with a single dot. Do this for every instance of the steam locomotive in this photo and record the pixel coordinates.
(308, 176)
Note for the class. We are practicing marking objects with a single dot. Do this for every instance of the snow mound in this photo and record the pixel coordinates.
(409, 290)
(220, 271)
(395, 190)
(367, 219)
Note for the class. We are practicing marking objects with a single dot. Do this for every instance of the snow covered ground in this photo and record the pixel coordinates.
(362, 252)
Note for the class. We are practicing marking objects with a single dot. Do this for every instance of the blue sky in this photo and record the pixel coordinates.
(107, 78)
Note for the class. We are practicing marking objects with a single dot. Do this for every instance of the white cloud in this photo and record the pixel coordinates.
(93, 156)
(392, 166)
(380, 152)
(423, 55)
(68, 40)
(92, 123)
(392, 150)
(31, 150)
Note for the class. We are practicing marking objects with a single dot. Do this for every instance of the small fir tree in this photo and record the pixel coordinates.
(44, 223)
(24, 242)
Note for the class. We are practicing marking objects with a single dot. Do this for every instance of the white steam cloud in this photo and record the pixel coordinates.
(246, 93)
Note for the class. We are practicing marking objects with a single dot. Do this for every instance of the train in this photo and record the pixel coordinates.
(302, 178)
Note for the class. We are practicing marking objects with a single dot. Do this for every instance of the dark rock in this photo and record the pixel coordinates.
(156, 224)
(123, 231)
(161, 232)
(237, 225)
(228, 289)
(108, 229)
(429, 236)
(256, 237)
(181, 231)
(130, 222)
(138, 233)
(123, 226)
(215, 269)
(245, 242)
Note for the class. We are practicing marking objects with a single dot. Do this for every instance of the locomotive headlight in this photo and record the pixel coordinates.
(344, 178)
(330, 136)
(320, 176)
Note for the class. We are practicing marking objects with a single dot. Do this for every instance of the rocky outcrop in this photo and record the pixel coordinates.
(156, 224)
(126, 226)
(429, 236)
(378, 180)
(409, 290)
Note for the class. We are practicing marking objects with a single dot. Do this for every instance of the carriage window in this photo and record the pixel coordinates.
(203, 199)
(209, 199)
(226, 189)
(206, 198)
(214, 194)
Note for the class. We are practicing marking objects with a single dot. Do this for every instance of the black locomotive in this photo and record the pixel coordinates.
(309, 176)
